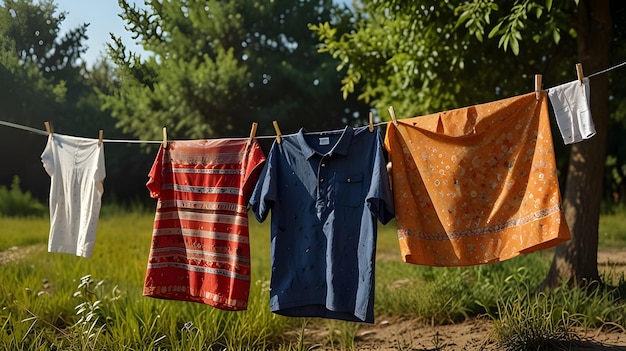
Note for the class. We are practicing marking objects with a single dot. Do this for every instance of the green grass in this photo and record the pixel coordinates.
(23, 231)
(447, 295)
(63, 302)
(46, 304)
(612, 229)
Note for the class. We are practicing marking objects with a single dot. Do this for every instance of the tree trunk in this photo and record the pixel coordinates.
(576, 261)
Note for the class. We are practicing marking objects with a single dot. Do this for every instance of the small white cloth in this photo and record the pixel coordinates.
(76, 169)
(570, 102)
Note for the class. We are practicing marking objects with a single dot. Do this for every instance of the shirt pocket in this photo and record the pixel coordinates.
(349, 190)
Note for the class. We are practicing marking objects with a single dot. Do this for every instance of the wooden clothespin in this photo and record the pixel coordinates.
(48, 127)
(253, 130)
(278, 133)
(164, 138)
(538, 86)
(579, 73)
(393, 116)
(100, 136)
(371, 126)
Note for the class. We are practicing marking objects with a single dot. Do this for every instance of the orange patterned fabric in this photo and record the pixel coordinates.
(476, 185)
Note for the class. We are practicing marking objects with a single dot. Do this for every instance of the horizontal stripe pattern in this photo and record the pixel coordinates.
(199, 233)
(200, 244)
(198, 269)
(206, 171)
(203, 189)
(202, 205)
(237, 219)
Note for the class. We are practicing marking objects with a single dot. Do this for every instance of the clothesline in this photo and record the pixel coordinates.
(44, 133)
(607, 70)
(129, 141)
(19, 126)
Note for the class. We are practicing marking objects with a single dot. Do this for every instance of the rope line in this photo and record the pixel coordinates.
(43, 132)
(19, 126)
(607, 70)
(129, 141)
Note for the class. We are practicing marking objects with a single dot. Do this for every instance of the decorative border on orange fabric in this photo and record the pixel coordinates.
(538, 215)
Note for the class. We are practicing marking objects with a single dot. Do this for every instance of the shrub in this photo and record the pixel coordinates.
(17, 203)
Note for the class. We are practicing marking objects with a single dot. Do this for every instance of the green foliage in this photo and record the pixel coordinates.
(17, 203)
(214, 67)
(28, 34)
(424, 57)
(35, 29)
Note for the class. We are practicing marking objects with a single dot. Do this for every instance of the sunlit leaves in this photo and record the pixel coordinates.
(419, 55)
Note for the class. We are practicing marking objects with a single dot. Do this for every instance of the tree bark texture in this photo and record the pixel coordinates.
(575, 261)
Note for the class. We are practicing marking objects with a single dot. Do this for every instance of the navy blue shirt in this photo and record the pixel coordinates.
(326, 191)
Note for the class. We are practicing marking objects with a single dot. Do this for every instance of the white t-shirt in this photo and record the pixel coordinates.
(570, 102)
(76, 169)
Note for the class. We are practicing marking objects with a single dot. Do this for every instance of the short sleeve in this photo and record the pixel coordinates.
(100, 170)
(265, 191)
(155, 175)
(379, 196)
(47, 157)
(255, 159)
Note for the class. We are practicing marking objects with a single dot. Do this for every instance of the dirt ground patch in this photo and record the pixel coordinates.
(612, 261)
(17, 253)
(473, 334)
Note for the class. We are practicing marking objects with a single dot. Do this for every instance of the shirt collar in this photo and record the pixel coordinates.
(341, 147)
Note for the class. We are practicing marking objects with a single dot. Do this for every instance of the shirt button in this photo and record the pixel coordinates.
(322, 180)
(323, 165)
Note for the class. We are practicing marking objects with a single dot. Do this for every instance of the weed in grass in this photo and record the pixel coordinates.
(341, 334)
(404, 342)
(438, 343)
(527, 320)
(532, 322)
(92, 321)
(592, 305)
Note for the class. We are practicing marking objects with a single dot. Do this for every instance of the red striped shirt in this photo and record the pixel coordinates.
(200, 244)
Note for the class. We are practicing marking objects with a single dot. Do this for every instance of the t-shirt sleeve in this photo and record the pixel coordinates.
(380, 197)
(264, 194)
(47, 157)
(255, 159)
(101, 170)
(155, 175)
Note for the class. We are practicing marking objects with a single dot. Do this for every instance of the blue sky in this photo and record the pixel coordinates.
(102, 16)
